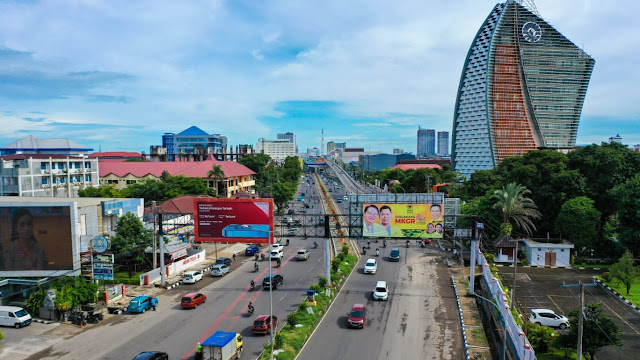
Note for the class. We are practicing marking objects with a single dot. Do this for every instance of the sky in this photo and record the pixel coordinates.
(114, 75)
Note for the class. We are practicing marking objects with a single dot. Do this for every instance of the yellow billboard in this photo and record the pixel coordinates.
(420, 221)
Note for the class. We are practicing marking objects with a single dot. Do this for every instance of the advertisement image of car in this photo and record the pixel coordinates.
(422, 221)
(233, 220)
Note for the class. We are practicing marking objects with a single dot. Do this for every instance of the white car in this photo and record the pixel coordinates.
(276, 254)
(371, 266)
(219, 270)
(547, 317)
(302, 255)
(277, 246)
(381, 292)
(191, 277)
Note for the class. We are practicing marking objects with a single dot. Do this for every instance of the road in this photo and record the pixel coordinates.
(419, 321)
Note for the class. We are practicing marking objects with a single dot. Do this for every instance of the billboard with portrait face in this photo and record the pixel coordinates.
(37, 240)
(421, 221)
(233, 220)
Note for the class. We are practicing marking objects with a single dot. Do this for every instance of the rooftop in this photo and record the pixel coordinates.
(193, 169)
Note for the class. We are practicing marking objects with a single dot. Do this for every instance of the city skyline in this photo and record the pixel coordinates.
(115, 77)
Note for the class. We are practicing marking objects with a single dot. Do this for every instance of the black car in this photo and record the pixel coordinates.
(290, 212)
(274, 279)
(224, 260)
(152, 355)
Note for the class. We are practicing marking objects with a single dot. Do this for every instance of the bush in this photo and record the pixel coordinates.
(540, 337)
(606, 276)
(323, 281)
(278, 341)
(316, 288)
(35, 301)
(345, 249)
(302, 306)
(340, 256)
(335, 264)
(490, 258)
(292, 319)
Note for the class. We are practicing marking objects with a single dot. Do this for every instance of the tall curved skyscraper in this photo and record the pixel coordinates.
(522, 88)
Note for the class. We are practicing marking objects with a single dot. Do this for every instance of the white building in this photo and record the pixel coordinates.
(555, 253)
(278, 149)
(46, 175)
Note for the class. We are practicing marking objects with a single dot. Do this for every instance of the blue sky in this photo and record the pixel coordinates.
(115, 75)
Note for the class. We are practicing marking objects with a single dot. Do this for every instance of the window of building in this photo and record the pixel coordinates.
(45, 181)
(43, 166)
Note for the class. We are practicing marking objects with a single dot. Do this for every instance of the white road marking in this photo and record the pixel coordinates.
(282, 298)
(311, 268)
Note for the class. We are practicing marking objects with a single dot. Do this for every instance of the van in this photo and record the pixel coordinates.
(14, 316)
(381, 292)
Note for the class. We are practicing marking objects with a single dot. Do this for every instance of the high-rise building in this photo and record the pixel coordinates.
(426, 142)
(522, 88)
(288, 135)
(443, 143)
(277, 149)
(397, 152)
(194, 141)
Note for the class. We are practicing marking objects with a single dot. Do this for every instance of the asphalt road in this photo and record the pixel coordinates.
(419, 321)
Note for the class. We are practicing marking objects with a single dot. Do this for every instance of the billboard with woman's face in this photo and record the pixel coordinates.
(35, 238)
(422, 221)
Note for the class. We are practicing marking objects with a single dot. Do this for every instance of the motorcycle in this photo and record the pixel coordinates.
(252, 286)
(78, 318)
(250, 310)
(377, 252)
(315, 244)
(262, 256)
(94, 318)
(287, 242)
(384, 243)
(256, 268)
(422, 244)
(408, 243)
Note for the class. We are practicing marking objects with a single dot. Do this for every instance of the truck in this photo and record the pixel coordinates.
(222, 345)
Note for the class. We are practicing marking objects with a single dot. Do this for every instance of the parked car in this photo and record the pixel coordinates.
(371, 266)
(302, 254)
(142, 303)
(219, 270)
(14, 316)
(251, 250)
(357, 316)
(547, 317)
(264, 323)
(381, 291)
(274, 279)
(224, 260)
(152, 355)
(394, 255)
(192, 300)
(191, 277)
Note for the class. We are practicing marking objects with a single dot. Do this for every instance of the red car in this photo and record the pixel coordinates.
(191, 300)
(357, 316)
(262, 325)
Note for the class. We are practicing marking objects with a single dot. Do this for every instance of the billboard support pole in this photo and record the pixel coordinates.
(153, 210)
(161, 244)
(327, 255)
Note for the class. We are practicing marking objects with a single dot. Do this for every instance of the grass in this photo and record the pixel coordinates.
(556, 355)
(634, 295)
(592, 266)
(296, 337)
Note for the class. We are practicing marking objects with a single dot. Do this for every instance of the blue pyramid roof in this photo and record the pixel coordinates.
(194, 130)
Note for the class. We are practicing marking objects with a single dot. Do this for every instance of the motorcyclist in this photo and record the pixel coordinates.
(256, 256)
(315, 244)
(287, 242)
(250, 308)
(408, 242)
(255, 267)
(198, 351)
(377, 252)
(384, 243)
(253, 285)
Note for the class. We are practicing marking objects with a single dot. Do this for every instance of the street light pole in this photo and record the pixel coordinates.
(504, 325)
(515, 266)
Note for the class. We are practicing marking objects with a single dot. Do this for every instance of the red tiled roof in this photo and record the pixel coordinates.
(192, 169)
(182, 204)
(122, 154)
(416, 166)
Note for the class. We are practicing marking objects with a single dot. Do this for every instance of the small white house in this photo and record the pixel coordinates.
(505, 249)
(548, 252)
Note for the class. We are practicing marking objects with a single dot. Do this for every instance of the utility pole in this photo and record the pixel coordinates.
(515, 266)
(581, 285)
(153, 210)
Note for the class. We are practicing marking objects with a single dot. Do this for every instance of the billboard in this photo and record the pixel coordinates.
(314, 160)
(421, 221)
(233, 220)
(36, 239)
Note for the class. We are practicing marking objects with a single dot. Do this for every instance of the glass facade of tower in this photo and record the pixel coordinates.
(522, 88)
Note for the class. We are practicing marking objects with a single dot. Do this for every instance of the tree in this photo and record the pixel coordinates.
(291, 169)
(282, 193)
(131, 237)
(218, 175)
(600, 331)
(515, 206)
(102, 191)
(540, 337)
(624, 270)
(626, 200)
(579, 222)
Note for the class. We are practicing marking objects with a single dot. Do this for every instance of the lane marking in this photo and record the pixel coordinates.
(282, 298)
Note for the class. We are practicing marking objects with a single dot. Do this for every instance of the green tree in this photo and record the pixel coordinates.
(481, 182)
(624, 270)
(291, 169)
(102, 191)
(282, 192)
(516, 207)
(626, 199)
(540, 337)
(218, 175)
(600, 331)
(579, 222)
(131, 237)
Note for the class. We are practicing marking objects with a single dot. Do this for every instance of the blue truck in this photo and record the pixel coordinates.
(222, 345)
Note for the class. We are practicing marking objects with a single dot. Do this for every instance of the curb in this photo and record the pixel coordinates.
(607, 288)
(42, 321)
(464, 335)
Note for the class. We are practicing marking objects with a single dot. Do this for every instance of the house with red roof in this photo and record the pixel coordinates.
(237, 177)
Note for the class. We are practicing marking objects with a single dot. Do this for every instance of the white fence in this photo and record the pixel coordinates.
(174, 268)
(516, 336)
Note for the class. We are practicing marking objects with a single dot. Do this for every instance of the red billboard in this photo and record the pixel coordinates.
(233, 220)
(35, 238)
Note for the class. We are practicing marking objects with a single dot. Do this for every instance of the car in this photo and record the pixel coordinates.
(394, 255)
(371, 266)
(152, 355)
(290, 212)
(547, 317)
(219, 270)
(287, 220)
(191, 277)
(345, 198)
(192, 300)
(302, 194)
(277, 246)
(273, 279)
(357, 316)
(297, 222)
(224, 260)
(291, 231)
(339, 201)
(264, 323)
(381, 291)
(302, 254)
(142, 303)
(251, 250)
(299, 198)
(276, 254)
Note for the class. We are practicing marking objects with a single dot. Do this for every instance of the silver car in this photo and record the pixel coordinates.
(219, 270)
(302, 255)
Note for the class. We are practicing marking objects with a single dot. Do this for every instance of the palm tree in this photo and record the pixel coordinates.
(516, 207)
(217, 174)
